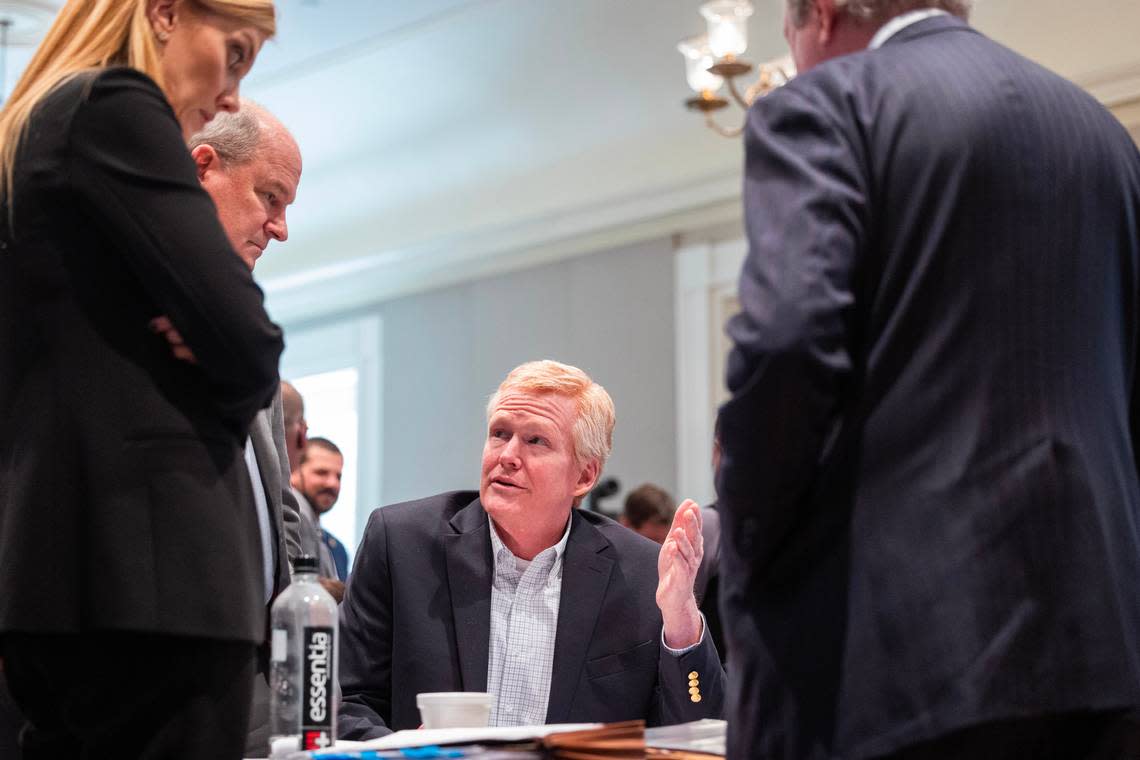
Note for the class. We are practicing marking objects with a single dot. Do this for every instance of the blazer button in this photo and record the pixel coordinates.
(695, 698)
(694, 690)
(694, 674)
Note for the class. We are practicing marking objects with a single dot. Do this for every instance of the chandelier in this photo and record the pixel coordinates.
(712, 61)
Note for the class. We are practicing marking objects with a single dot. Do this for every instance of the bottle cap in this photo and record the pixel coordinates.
(306, 563)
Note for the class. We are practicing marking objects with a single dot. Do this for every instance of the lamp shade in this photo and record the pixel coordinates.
(728, 26)
(698, 58)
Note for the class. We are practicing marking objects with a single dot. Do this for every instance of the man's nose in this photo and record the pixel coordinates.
(509, 456)
(277, 228)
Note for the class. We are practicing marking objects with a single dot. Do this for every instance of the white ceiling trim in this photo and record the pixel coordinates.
(349, 285)
(1114, 86)
(708, 200)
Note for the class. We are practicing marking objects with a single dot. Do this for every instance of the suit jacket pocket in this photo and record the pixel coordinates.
(644, 656)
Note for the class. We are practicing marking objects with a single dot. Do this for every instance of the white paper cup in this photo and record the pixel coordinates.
(454, 709)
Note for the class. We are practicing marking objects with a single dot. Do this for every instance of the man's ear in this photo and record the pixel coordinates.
(163, 17)
(827, 14)
(302, 435)
(587, 477)
(206, 160)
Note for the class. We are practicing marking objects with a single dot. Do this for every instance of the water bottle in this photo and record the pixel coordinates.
(303, 665)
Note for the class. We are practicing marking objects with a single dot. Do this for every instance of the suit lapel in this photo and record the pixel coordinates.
(266, 453)
(469, 568)
(269, 469)
(585, 578)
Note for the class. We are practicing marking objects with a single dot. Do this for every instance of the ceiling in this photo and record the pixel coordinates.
(447, 138)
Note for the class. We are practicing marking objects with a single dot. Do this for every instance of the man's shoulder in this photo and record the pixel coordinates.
(429, 511)
(629, 546)
(262, 423)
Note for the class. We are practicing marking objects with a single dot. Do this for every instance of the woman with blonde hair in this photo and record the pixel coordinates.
(131, 592)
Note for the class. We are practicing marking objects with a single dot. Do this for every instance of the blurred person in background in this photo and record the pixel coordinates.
(649, 511)
(120, 460)
(317, 479)
(296, 428)
(296, 439)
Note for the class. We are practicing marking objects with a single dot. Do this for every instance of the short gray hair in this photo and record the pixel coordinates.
(234, 136)
(881, 10)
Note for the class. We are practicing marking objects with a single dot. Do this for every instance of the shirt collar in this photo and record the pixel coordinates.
(497, 545)
(900, 22)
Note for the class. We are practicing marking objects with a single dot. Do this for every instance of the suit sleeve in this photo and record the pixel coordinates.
(805, 210)
(675, 673)
(290, 510)
(132, 172)
(366, 639)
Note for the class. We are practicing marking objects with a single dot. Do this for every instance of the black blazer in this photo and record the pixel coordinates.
(124, 495)
(929, 482)
(416, 618)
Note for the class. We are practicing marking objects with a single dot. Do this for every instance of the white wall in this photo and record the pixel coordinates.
(445, 351)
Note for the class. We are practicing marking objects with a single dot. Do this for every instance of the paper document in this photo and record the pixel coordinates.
(440, 737)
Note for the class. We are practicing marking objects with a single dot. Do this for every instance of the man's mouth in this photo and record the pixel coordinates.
(504, 483)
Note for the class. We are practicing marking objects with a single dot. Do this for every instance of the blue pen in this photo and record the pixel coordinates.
(412, 753)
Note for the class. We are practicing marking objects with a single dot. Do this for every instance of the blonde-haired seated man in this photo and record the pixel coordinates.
(562, 615)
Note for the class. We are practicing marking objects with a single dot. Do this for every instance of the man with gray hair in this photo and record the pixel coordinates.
(928, 486)
(250, 165)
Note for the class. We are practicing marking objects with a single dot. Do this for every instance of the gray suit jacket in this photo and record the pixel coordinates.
(929, 488)
(268, 435)
(312, 541)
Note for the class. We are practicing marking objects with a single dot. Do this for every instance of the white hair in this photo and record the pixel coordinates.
(236, 136)
(881, 10)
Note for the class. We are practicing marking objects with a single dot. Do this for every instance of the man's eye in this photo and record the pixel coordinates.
(271, 198)
(537, 440)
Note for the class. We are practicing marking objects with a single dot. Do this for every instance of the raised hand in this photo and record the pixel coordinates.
(677, 565)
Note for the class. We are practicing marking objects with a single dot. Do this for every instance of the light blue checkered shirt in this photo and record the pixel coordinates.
(524, 621)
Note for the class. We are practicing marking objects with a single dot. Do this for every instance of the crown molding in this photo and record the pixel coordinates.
(350, 285)
(1114, 86)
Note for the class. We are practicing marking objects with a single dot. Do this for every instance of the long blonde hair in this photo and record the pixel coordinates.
(95, 34)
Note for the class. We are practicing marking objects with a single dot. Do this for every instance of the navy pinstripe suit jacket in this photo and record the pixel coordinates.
(929, 483)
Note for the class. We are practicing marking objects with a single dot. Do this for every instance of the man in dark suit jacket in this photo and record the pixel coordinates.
(241, 157)
(929, 483)
(515, 592)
